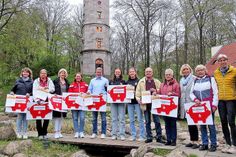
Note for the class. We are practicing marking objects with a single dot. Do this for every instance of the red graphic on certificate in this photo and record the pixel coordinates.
(99, 103)
(117, 94)
(17, 103)
(39, 111)
(69, 101)
(167, 108)
(199, 114)
(55, 102)
(165, 105)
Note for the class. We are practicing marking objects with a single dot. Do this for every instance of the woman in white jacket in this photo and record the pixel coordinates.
(42, 83)
(205, 89)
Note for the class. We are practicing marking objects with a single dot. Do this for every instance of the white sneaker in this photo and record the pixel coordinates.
(81, 135)
(113, 137)
(18, 135)
(56, 135)
(141, 139)
(25, 136)
(225, 148)
(94, 135)
(232, 150)
(60, 135)
(132, 138)
(40, 137)
(103, 136)
(45, 137)
(122, 138)
(76, 135)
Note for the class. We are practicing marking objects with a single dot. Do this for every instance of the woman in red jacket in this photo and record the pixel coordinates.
(78, 86)
(170, 87)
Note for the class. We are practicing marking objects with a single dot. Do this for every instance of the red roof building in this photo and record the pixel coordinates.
(228, 50)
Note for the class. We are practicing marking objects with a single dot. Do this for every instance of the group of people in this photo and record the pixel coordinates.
(219, 90)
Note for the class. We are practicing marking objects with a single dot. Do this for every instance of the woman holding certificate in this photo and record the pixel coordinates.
(135, 107)
(23, 86)
(186, 83)
(78, 86)
(170, 87)
(118, 110)
(43, 84)
(205, 89)
(61, 85)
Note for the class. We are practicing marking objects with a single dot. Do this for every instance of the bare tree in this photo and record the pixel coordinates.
(54, 14)
(8, 8)
(146, 12)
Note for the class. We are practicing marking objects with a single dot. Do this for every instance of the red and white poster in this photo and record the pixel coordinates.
(198, 114)
(17, 103)
(55, 102)
(117, 94)
(165, 105)
(99, 104)
(36, 111)
(69, 101)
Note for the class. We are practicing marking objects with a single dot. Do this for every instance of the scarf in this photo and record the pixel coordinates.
(224, 70)
(25, 79)
(184, 80)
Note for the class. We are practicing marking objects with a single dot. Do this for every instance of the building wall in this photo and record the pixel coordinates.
(96, 36)
(88, 62)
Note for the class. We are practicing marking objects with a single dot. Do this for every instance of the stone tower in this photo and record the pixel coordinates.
(96, 29)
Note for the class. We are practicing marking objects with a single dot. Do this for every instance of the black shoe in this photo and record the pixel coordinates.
(195, 146)
(189, 145)
(159, 140)
(148, 140)
(203, 147)
(173, 143)
(168, 143)
(212, 148)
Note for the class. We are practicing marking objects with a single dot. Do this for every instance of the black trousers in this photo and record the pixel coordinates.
(193, 131)
(227, 111)
(42, 128)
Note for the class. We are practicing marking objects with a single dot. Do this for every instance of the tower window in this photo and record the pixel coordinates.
(99, 42)
(99, 29)
(99, 14)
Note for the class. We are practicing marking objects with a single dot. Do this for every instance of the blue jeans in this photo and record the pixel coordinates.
(132, 108)
(157, 123)
(171, 130)
(118, 115)
(21, 123)
(95, 122)
(204, 133)
(76, 115)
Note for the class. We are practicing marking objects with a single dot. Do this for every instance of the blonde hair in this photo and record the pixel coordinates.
(27, 70)
(169, 71)
(185, 66)
(200, 66)
(62, 70)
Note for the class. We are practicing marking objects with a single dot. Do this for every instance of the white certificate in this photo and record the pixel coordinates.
(10, 100)
(41, 94)
(146, 97)
(130, 92)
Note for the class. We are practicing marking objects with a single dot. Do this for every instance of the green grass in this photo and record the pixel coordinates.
(161, 152)
(53, 150)
(192, 155)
